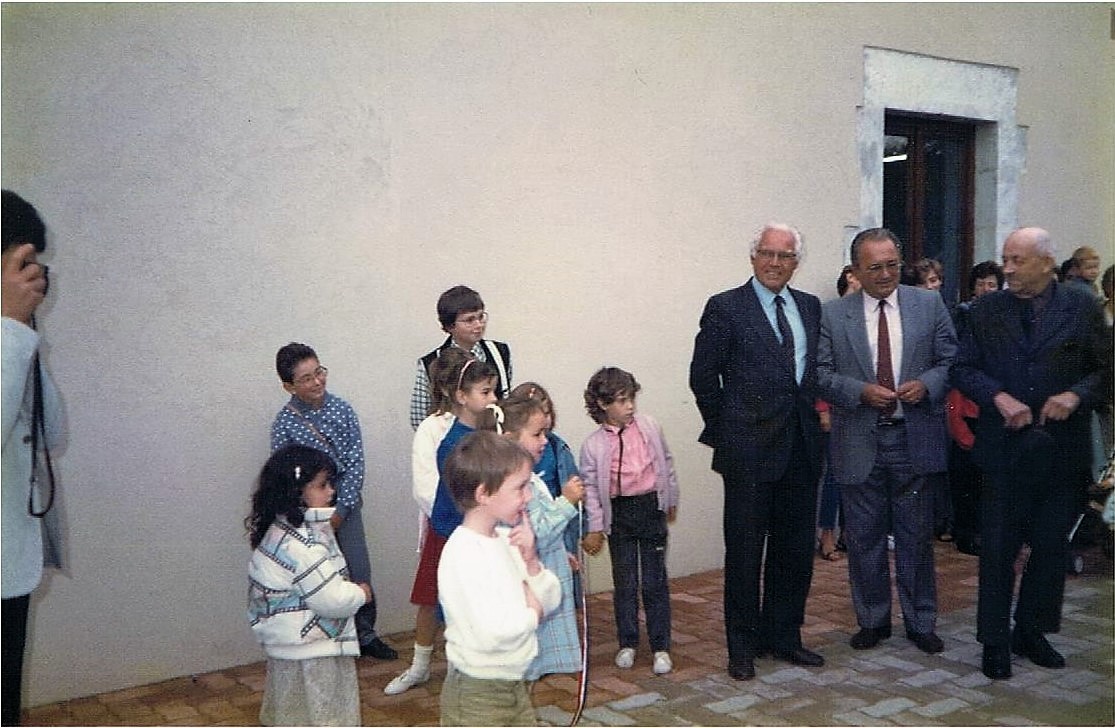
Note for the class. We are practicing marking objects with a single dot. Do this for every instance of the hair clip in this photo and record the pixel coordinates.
(297, 473)
(498, 412)
(530, 394)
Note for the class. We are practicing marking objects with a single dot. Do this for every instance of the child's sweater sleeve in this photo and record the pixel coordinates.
(547, 588)
(423, 463)
(324, 588)
(590, 474)
(548, 516)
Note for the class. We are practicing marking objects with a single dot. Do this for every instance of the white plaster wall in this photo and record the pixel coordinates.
(221, 179)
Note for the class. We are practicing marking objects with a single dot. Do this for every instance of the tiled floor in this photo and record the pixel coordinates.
(893, 684)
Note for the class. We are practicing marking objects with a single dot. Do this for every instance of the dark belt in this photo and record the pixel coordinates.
(890, 421)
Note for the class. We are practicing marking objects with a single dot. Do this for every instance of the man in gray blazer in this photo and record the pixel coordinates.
(882, 364)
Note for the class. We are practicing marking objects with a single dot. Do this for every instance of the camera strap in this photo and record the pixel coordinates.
(38, 427)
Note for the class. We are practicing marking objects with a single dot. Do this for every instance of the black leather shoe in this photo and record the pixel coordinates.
(868, 637)
(927, 642)
(1033, 645)
(996, 662)
(800, 656)
(742, 669)
(378, 649)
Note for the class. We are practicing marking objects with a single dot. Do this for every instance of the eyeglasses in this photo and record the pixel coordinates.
(320, 372)
(889, 267)
(472, 318)
(769, 255)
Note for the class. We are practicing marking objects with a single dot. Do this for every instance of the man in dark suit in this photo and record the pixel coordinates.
(882, 365)
(754, 376)
(1034, 358)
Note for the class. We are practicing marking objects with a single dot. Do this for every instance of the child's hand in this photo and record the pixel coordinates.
(574, 562)
(672, 514)
(573, 490)
(593, 542)
(335, 521)
(369, 595)
(522, 537)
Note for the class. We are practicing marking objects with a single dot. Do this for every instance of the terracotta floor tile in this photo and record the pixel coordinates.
(835, 694)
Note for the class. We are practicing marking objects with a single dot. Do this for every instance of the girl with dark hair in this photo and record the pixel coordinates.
(300, 601)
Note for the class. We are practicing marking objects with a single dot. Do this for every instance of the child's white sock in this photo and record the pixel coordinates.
(421, 662)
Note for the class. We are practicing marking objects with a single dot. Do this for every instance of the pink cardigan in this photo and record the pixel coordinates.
(597, 453)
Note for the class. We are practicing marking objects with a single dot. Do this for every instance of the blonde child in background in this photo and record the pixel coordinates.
(468, 385)
(631, 491)
(493, 586)
(300, 601)
(559, 650)
(556, 466)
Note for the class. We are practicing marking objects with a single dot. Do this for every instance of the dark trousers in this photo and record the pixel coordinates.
(829, 508)
(966, 483)
(14, 617)
(778, 518)
(353, 543)
(893, 499)
(1035, 507)
(637, 545)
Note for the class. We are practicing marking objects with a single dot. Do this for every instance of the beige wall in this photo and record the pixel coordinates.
(221, 179)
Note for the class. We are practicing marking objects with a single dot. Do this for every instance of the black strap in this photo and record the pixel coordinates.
(38, 426)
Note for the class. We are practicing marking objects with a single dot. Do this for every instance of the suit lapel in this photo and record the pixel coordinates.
(1053, 319)
(1005, 318)
(856, 329)
(913, 331)
(756, 317)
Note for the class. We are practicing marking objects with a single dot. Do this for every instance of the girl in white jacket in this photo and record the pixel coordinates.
(300, 601)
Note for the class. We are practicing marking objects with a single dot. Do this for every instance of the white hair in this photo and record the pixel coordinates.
(799, 241)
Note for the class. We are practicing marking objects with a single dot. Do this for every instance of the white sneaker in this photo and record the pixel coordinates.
(406, 681)
(662, 663)
(625, 658)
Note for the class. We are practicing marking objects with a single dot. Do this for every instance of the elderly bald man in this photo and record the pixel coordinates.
(1034, 359)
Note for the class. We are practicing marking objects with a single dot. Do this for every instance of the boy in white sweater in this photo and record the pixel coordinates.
(492, 586)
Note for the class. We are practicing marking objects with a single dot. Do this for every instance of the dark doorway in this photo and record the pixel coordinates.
(928, 183)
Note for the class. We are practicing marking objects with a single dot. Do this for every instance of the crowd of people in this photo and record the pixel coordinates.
(875, 422)
(881, 415)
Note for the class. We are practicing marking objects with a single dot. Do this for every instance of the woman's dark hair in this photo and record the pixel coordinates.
(289, 357)
(842, 281)
(279, 488)
(604, 387)
(983, 270)
(21, 223)
(925, 266)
